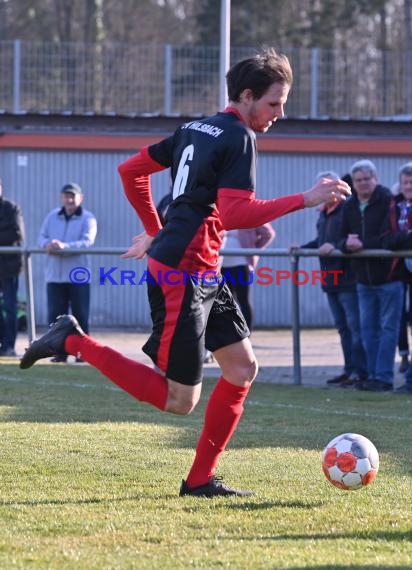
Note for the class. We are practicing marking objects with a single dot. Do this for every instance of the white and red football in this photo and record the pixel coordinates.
(350, 461)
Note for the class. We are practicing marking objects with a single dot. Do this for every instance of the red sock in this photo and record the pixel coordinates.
(139, 380)
(223, 412)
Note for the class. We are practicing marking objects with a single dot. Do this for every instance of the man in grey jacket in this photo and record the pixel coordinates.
(74, 227)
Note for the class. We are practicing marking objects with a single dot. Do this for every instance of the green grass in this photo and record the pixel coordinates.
(90, 478)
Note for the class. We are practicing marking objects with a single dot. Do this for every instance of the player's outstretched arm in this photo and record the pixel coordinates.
(240, 209)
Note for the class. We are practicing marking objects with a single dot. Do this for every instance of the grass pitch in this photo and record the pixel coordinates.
(90, 479)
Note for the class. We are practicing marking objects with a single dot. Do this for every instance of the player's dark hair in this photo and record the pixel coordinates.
(258, 73)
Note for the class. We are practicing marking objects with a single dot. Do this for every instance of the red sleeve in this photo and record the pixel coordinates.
(135, 174)
(239, 209)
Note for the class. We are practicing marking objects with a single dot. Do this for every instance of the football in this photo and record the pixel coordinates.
(350, 461)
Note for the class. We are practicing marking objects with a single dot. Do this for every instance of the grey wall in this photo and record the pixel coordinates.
(34, 179)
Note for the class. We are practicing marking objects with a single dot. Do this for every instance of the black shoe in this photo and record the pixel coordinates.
(52, 342)
(338, 379)
(351, 382)
(214, 488)
(404, 389)
(375, 386)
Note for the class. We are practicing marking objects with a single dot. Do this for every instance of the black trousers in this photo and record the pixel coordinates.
(65, 297)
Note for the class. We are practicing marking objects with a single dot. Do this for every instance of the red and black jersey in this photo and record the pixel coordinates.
(213, 167)
(205, 155)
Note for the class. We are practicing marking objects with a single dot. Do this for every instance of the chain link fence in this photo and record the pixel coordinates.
(126, 79)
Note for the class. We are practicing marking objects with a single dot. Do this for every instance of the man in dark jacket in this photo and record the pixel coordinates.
(11, 234)
(341, 292)
(399, 237)
(364, 226)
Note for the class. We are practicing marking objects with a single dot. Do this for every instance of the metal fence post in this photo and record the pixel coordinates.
(297, 376)
(314, 83)
(224, 63)
(28, 274)
(168, 80)
(16, 75)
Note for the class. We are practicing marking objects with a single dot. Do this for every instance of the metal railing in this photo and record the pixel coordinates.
(130, 79)
(294, 267)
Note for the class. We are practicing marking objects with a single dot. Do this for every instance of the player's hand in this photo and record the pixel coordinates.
(141, 244)
(326, 191)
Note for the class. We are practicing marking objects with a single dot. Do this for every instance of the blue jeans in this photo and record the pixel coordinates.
(345, 311)
(8, 314)
(62, 296)
(406, 321)
(380, 313)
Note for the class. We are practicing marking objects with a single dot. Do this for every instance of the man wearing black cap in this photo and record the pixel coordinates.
(74, 227)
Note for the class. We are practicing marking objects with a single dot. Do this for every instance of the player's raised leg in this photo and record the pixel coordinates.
(139, 380)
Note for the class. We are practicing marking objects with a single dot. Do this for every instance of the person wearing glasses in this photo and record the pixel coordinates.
(365, 226)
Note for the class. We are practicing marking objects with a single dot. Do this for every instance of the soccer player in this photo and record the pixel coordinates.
(213, 169)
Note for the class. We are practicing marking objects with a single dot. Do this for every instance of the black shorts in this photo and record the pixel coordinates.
(189, 314)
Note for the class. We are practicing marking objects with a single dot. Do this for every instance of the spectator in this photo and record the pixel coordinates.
(399, 236)
(340, 291)
(403, 341)
(71, 226)
(364, 223)
(237, 270)
(406, 321)
(11, 234)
